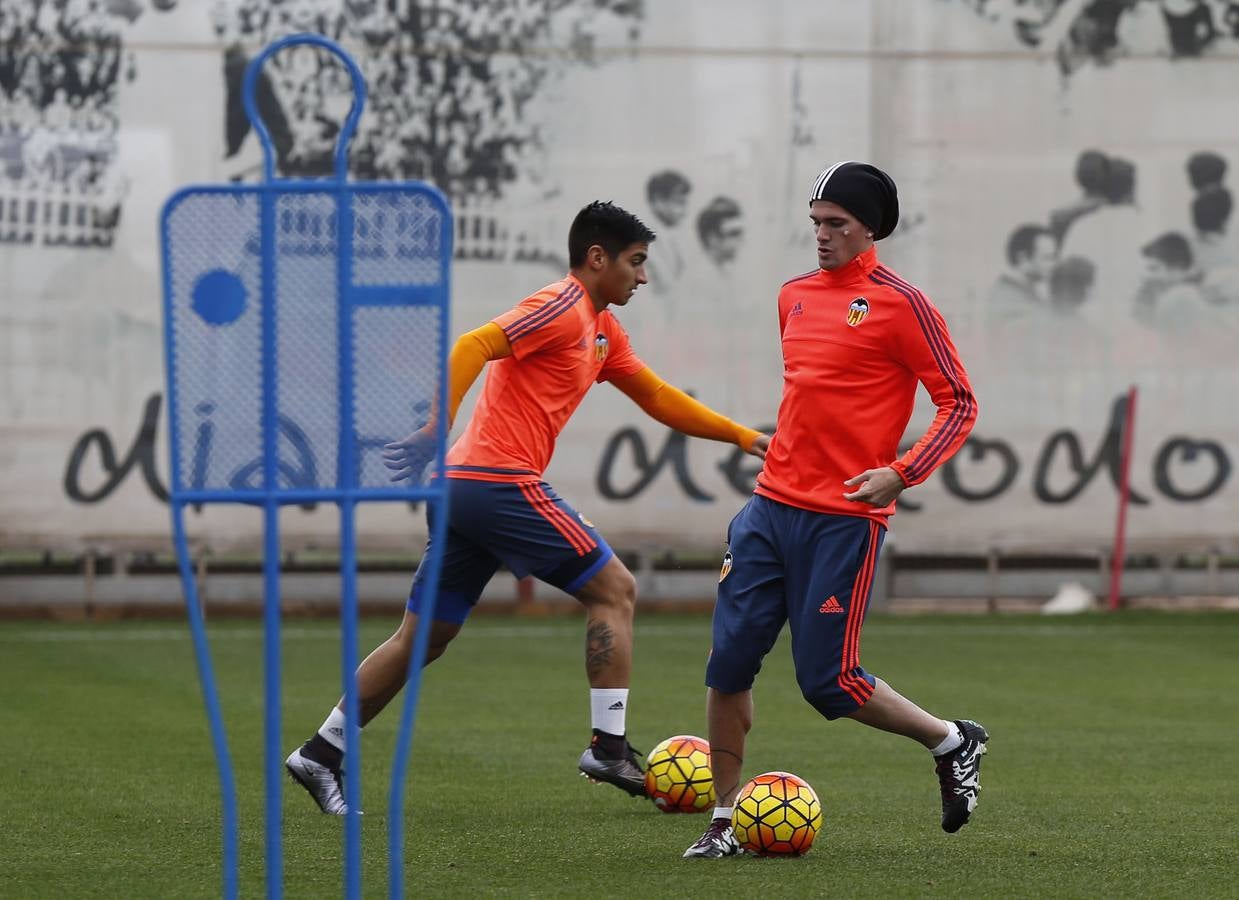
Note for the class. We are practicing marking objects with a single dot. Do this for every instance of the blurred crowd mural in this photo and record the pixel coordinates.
(61, 65)
(1103, 32)
(1176, 280)
(449, 84)
(715, 226)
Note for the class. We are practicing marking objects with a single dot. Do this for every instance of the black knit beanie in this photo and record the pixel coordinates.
(865, 191)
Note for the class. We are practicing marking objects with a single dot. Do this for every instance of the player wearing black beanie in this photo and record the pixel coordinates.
(865, 191)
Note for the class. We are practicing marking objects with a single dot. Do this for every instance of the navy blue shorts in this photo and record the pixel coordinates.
(812, 570)
(525, 526)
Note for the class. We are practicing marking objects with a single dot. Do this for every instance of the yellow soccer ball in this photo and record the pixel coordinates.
(777, 814)
(678, 777)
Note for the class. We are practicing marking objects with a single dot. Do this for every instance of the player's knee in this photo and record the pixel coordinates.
(826, 695)
(731, 671)
(439, 639)
(441, 634)
(615, 589)
(626, 591)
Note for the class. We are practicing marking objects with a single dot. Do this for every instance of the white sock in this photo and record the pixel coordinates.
(608, 709)
(723, 812)
(332, 730)
(952, 740)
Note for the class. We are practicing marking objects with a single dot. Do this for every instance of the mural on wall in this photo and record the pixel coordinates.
(1104, 256)
(61, 65)
(1076, 245)
(1102, 32)
(450, 83)
(1175, 280)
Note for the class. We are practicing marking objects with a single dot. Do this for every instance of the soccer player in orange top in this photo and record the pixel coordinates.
(545, 354)
(857, 339)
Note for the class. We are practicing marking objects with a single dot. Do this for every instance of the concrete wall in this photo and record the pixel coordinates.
(989, 116)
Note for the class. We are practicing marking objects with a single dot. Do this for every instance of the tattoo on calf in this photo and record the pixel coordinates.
(728, 794)
(599, 647)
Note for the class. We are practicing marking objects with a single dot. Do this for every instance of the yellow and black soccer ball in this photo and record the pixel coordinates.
(678, 777)
(777, 814)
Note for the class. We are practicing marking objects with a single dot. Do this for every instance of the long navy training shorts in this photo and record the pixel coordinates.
(812, 570)
(524, 526)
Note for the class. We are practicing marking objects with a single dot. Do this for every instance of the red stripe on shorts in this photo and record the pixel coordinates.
(859, 689)
(573, 533)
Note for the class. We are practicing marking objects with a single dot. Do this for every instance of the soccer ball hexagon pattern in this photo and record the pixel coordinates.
(678, 777)
(777, 814)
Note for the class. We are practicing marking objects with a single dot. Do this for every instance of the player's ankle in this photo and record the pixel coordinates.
(608, 746)
(320, 750)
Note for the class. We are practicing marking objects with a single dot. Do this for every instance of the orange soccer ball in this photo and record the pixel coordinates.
(777, 814)
(678, 777)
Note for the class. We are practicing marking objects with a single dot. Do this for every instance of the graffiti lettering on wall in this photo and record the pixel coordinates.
(94, 454)
(647, 468)
(1185, 469)
(114, 471)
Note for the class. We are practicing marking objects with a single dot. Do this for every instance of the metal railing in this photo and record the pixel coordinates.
(57, 214)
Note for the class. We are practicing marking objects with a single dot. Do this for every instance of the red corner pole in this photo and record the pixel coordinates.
(1120, 527)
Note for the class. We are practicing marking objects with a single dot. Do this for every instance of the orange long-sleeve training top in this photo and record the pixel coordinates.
(856, 342)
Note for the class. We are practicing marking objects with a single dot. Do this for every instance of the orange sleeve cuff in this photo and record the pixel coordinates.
(902, 471)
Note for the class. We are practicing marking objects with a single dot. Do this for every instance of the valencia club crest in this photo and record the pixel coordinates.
(857, 311)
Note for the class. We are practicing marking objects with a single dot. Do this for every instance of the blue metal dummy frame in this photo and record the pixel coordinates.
(346, 493)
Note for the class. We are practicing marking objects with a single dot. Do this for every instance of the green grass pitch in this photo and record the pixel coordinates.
(1111, 770)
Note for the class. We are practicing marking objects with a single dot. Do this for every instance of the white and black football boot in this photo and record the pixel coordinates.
(324, 784)
(959, 776)
(718, 841)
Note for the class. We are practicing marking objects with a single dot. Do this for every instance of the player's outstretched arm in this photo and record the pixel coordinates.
(407, 458)
(678, 410)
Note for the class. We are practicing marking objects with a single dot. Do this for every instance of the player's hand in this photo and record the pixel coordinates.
(760, 445)
(877, 487)
(408, 458)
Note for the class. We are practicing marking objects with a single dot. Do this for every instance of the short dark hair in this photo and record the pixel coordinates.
(1211, 209)
(1071, 280)
(1205, 169)
(1091, 169)
(1171, 249)
(1024, 239)
(719, 210)
(605, 224)
(666, 183)
(1120, 181)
